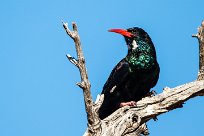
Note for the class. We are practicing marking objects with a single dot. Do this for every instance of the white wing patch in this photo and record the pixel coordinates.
(112, 90)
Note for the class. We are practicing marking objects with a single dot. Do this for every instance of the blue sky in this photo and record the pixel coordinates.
(38, 95)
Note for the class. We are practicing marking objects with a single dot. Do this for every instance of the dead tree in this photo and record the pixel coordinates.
(129, 121)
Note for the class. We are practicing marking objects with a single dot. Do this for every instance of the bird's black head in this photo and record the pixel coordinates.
(133, 36)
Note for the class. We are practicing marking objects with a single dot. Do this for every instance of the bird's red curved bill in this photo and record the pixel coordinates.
(122, 32)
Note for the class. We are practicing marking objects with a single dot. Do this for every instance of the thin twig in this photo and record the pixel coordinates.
(72, 60)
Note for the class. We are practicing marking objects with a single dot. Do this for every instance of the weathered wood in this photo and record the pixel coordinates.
(200, 37)
(92, 116)
(130, 121)
(127, 120)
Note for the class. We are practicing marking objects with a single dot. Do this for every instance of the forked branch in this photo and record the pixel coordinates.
(130, 121)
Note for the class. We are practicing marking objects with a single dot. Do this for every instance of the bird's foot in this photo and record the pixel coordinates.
(131, 103)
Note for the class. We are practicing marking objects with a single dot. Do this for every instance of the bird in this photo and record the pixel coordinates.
(133, 77)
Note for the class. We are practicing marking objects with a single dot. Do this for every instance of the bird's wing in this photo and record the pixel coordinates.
(117, 77)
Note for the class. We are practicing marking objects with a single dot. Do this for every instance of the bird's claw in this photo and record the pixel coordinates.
(131, 103)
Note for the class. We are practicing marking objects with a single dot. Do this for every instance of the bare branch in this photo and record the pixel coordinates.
(127, 121)
(200, 36)
(130, 121)
(92, 116)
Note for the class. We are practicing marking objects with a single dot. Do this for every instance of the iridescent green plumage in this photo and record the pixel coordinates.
(141, 57)
(134, 76)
